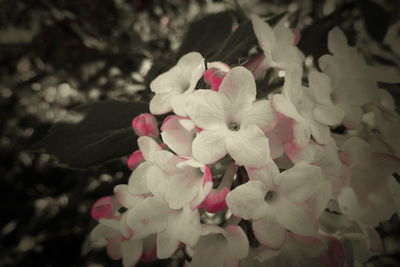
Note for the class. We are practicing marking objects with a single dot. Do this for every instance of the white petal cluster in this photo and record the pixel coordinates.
(270, 171)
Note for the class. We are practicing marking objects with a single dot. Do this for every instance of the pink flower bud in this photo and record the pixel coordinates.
(103, 208)
(145, 125)
(215, 200)
(214, 77)
(215, 74)
(135, 159)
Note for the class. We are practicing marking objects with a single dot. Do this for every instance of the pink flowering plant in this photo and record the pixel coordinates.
(270, 161)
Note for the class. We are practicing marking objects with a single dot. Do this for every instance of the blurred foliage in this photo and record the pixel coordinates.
(56, 55)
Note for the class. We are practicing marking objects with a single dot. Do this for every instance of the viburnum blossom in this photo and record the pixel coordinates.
(365, 197)
(243, 173)
(231, 121)
(277, 202)
(172, 87)
(354, 82)
(220, 247)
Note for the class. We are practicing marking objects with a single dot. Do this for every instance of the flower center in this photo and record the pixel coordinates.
(270, 196)
(233, 126)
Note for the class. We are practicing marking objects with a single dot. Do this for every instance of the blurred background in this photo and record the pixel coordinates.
(56, 55)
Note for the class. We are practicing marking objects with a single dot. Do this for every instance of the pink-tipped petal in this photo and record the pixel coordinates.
(176, 136)
(135, 159)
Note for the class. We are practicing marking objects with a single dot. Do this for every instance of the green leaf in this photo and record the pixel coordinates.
(101, 132)
(206, 34)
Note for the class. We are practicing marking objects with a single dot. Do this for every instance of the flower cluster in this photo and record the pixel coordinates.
(235, 179)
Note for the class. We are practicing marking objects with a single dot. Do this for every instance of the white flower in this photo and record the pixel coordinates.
(232, 121)
(220, 247)
(118, 246)
(190, 186)
(277, 43)
(172, 87)
(372, 193)
(354, 82)
(154, 216)
(277, 202)
(280, 51)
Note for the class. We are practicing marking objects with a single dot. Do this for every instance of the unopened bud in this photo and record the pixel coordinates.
(145, 125)
(103, 208)
(215, 74)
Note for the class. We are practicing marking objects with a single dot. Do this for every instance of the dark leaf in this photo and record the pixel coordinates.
(240, 42)
(102, 135)
(237, 45)
(314, 37)
(376, 19)
(207, 34)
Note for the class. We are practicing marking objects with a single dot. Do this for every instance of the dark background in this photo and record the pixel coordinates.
(57, 55)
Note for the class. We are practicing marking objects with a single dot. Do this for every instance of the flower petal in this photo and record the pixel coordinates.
(166, 245)
(176, 137)
(192, 67)
(125, 198)
(260, 114)
(298, 183)
(168, 81)
(249, 146)
(160, 104)
(157, 181)
(265, 36)
(138, 180)
(149, 217)
(328, 114)
(238, 244)
(182, 190)
(131, 251)
(296, 218)
(239, 86)
(266, 174)
(148, 147)
(320, 132)
(209, 251)
(185, 226)
(269, 232)
(209, 146)
(247, 200)
(114, 248)
(207, 108)
(337, 41)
